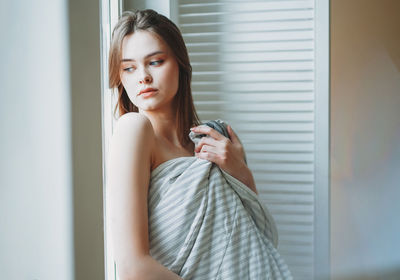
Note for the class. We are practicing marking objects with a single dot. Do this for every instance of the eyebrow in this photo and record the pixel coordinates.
(147, 56)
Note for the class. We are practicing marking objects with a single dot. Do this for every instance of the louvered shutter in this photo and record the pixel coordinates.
(254, 66)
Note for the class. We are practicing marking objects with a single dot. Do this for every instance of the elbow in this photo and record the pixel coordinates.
(129, 274)
(135, 270)
(130, 277)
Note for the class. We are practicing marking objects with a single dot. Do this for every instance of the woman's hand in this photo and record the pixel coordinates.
(227, 153)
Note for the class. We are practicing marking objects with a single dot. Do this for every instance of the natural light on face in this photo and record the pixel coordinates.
(148, 62)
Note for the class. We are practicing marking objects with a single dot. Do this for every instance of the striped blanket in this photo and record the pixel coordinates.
(206, 224)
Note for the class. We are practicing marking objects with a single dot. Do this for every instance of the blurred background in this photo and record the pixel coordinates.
(51, 177)
(365, 139)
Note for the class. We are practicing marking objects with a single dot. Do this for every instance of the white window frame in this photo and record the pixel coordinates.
(110, 11)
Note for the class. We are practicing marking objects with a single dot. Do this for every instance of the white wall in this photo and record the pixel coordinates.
(365, 139)
(51, 191)
(36, 233)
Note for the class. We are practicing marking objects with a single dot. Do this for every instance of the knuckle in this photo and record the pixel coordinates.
(224, 157)
(204, 140)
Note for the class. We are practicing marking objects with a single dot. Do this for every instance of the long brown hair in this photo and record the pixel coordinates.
(150, 20)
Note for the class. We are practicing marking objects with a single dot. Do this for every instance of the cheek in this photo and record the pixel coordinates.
(123, 79)
(129, 86)
(172, 77)
(128, 83)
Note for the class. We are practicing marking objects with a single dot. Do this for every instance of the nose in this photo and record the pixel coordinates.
(145, 77)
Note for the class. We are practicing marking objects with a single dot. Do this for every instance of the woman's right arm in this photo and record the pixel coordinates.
(127, 188)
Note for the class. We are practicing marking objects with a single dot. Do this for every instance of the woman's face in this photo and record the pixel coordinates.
(149, 71)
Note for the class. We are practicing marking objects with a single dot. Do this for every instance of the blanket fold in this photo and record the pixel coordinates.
(206, 224)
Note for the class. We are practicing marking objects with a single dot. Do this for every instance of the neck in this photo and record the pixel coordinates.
(164, 125)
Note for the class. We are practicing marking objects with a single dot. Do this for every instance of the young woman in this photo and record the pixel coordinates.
(149, 65)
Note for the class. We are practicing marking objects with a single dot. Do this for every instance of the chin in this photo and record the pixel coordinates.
(149, 107)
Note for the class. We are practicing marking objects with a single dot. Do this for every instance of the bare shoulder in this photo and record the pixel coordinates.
(133, 138)
(134, 123)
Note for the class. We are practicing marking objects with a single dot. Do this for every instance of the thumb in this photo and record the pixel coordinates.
(232, 135)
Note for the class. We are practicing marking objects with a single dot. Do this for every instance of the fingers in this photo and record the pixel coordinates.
(233, 135)
(217, 148)
(206, 148)
(209, 154)
(215, 154)
(205, 129)
(207, 141)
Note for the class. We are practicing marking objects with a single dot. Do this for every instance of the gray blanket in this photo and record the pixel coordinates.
(205, 224)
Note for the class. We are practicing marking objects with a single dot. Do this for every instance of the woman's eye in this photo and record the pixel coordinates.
(157, 62)
(129, 69)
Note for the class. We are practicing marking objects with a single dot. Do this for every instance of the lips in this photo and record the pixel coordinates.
(147, 90)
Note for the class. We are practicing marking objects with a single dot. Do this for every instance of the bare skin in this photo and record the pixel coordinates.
(128, 179)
